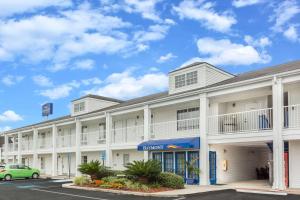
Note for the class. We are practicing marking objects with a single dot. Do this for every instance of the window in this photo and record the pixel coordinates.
(13, 167)
(78, 107)
(187, 119)
(125, 159)
(191, 78)
(21, 167)
(186, 79)
(84, 159)
(180, 81)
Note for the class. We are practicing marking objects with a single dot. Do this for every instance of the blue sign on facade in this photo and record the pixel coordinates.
(47, 109)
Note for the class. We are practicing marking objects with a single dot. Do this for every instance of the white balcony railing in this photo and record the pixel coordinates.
(64, 141)
(131, 134)
(241, 122)
(12, 147)
(27, 145)
(291, 116)
(93, 138)
(175, 129)
(44, 143)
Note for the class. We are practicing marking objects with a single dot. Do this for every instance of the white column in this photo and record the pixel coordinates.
(147, 123)
(19, 148)
(278, 143)
(35, 154)
(78, 143)
(204, 150)
(6, 148)
(54, 152)
(108, 152)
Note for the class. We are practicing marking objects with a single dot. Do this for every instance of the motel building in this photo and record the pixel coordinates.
(234, 128)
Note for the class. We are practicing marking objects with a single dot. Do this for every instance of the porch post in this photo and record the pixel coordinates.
(278, 143)
(20, 148)
(35, 155)
(147, 123)
(6, 148)
(54, 153)
(77, 142)
(108, 152)
(204, 154)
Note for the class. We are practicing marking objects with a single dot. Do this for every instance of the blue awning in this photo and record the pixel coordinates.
(170, 144)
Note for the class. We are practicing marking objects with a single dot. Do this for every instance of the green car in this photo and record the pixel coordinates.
(17, 171)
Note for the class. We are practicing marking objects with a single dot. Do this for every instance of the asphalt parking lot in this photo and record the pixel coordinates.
(43, 189)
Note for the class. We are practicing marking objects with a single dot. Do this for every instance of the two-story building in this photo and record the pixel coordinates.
(232, 127)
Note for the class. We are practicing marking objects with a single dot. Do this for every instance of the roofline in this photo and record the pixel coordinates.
(99, 97)
(198, 63)
(178, 95)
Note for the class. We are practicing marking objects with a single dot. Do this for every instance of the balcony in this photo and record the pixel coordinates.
(27, 145)
(292, 116)
(65, 141)
(175, 129)
(12, 147)
(128, 135)
(44, 143)
(241, 122)
(93, 138)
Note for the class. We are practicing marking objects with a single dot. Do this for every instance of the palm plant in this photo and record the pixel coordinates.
(95, 170)
(144, 171)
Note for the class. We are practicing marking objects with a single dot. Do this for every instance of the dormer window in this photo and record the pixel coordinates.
(191, 78)
(186, 79)
(79, 107)
(180, 81)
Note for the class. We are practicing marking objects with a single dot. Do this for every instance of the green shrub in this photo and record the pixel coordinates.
(114, 179)
(171, 180)
(144, 171)
(81, 180)
(131, 185)
(95, 170)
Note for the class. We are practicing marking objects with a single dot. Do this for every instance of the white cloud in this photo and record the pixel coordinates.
(11, 80)
(10, 116)
(166, 57)
(243, 3)
(291, 34)
(261, 42)
(125, 85)
(86, 64)
(225, 52)
(5, 128)
(204, 12)
(58, 92)
(42, 81)
(8, 8)
(144, 7)
(67, 35)
(91, 81)
(155, 32)
(283, 13)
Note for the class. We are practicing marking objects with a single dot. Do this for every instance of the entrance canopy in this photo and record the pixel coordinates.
(170, 144)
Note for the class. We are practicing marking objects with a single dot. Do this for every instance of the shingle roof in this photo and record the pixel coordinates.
(99, 97)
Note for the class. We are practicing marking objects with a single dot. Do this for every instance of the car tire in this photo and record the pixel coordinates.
(8, 177)
(35, 176)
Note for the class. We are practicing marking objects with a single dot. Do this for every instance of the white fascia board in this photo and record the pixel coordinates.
(44, 127)
(131, 110)
(174, 101)
(291, 79)
(84, 119)
(65, 123)
(240, 138)
(291, 134)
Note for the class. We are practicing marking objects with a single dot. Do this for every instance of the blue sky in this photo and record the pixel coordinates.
(58, 50)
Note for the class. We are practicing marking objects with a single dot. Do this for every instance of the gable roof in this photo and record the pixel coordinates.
(99, 97)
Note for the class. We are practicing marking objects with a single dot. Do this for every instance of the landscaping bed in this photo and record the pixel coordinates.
(140, 176)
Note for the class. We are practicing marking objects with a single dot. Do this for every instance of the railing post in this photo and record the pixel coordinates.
(77, 143)
(54, 152)
(147, 123)
(35, 154)
(19, 148)
(278, 144)
(204, 149)
(6, 148)
(108, 152)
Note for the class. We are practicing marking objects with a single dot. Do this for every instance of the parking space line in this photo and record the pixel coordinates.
(67, 194)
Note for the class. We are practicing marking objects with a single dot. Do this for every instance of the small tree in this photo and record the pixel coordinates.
(95, 170)
(144, 171)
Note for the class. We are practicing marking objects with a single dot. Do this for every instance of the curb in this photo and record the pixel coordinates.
(280, 193)
(71, 186)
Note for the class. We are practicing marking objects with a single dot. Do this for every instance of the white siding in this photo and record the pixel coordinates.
(294, 164)
(118, 157)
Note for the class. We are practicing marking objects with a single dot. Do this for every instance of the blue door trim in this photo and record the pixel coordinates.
(196, 179)
(213, 167)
